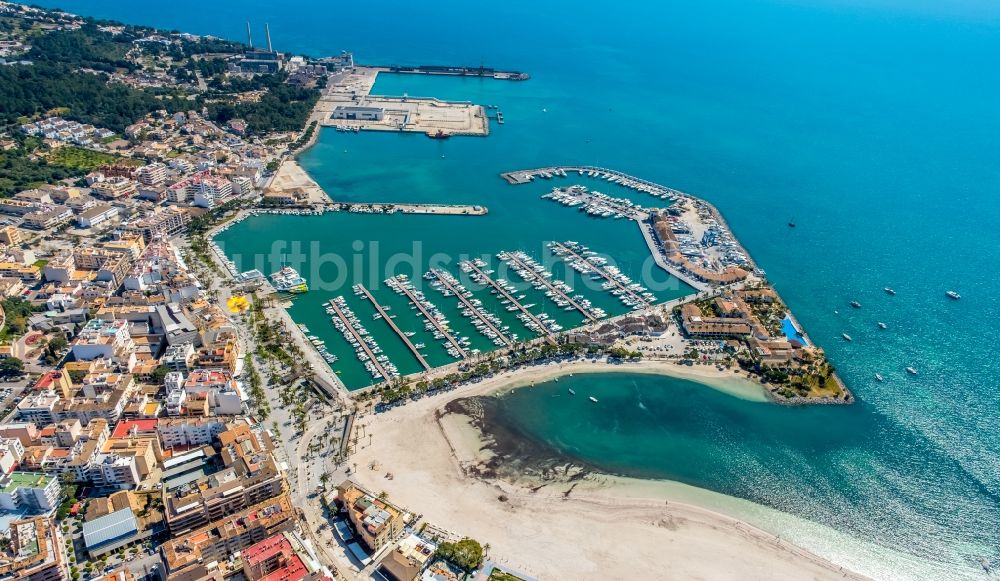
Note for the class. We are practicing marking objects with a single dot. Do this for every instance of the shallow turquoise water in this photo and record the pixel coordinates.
(873, 125)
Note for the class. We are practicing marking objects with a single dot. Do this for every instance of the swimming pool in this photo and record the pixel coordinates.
(792, 333)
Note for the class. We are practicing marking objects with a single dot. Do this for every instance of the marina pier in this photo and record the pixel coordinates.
(460, 293)
(392, 208)
(533, 276)
(403, 286)
(543, 328)
(454, 71)
(526, 176)
(702, 214)
(360, 339)
(562, 250)
(385, 316)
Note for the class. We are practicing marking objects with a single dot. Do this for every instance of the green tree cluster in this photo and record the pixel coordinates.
(466, 554)
(282, 108)
(30, 90)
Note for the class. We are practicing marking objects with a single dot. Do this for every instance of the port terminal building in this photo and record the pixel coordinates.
(356, 113)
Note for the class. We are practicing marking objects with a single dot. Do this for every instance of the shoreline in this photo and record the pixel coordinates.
(441, 483)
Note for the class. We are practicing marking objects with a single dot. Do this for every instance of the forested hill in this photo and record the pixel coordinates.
(111, 75)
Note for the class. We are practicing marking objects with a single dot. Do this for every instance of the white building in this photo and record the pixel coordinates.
(153, 174)
(11, 452)
(96, 215)
(38, 408)
(103, 339)
(29, 491)
(179, 357)
(189, 432)
(353, 113)
(113, 470)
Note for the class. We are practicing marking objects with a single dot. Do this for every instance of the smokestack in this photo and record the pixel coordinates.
(267, 30)
(249, 36)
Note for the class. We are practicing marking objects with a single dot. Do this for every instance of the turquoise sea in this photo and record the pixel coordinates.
(873, 125)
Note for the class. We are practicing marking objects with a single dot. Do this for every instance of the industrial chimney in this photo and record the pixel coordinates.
(267, 30)
(249, 37)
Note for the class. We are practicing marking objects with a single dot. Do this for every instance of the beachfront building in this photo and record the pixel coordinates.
(282, 557)
(409, 558)
(250, 476)
(211, 547)
(375, 521)
(696, 324)
(202, 189)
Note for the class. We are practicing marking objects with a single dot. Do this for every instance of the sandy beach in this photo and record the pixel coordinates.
(290, 177)
(601, 529)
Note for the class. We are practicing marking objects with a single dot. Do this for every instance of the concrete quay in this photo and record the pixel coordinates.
(454, 71)
(392, 208)
(519, 177)
(396, 113)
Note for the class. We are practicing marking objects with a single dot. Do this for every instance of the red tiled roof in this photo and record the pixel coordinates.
(293, 571)
(141, 426)
(266, 549)
(45, 381)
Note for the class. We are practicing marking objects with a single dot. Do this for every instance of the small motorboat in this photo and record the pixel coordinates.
(889, 291)
(856, 304)
(593, 399)
(911, 371)
(953, 295)
(882, 325)
(878, 377)
(846, 337)
(571, 392)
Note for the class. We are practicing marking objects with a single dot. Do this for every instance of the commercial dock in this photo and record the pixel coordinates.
(348, 105)
(453, 71)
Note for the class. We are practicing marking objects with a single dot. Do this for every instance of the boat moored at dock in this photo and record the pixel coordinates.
(288, 280)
